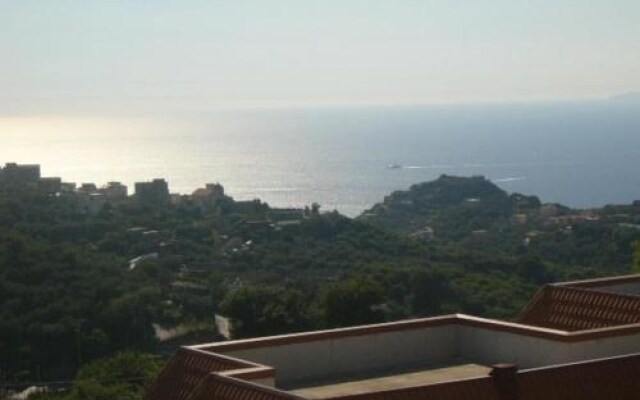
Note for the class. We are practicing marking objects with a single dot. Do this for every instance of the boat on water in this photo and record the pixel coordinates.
(394, 166)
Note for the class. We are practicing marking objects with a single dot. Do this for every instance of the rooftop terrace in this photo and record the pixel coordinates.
(426, 355)
(391, 380)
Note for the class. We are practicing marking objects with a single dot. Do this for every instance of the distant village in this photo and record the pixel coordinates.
(27, 177)
(155, 193)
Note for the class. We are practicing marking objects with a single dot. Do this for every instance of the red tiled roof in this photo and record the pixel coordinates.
(220, 387)
(185, 372)
(573, 309)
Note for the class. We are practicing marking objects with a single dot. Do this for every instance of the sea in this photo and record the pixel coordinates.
(581, 154)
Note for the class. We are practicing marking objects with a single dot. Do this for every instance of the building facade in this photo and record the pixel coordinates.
(152, 193)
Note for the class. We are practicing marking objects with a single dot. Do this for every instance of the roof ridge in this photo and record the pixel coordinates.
(576, 308)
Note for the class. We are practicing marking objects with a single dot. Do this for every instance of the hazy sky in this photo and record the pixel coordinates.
(75, 57)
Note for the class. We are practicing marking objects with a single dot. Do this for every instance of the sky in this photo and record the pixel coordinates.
(148, 57)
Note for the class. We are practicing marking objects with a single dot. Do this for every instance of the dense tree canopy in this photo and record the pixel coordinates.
(76, 286)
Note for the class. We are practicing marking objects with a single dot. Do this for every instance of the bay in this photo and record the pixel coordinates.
(580, 154)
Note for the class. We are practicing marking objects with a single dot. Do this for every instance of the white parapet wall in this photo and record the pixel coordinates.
(604, 347)
(342, 356)
(490, 346)
(328, 356)
(493, 346)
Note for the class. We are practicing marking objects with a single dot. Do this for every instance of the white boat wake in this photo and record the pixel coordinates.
(513, 179)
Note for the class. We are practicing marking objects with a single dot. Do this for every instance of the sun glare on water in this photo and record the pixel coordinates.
(70, 147)
(39, 128)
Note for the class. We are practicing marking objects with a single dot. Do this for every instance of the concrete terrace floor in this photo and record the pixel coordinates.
(426, 376)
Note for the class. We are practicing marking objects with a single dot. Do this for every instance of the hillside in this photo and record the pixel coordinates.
(78, 284)
(455, 207)
(473, 213)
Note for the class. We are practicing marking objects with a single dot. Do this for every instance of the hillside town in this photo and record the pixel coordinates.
(27, 177)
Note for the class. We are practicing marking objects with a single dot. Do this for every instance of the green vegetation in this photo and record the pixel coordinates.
(124, 376)
(636, 257)
(473, 213)
(78, 285)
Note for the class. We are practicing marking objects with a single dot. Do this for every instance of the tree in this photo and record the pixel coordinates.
(430, 290)
(259, 311)
(636, 257)
(122, 377)
(352, 302)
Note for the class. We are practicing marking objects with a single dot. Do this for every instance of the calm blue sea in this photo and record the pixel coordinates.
(580, 154)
